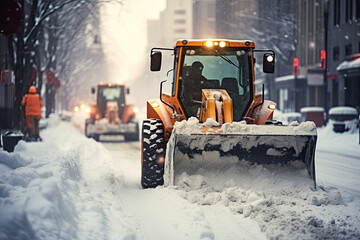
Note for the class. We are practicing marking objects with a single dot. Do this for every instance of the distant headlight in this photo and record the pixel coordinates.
(135, 109)
(88, 109)
(76, 108)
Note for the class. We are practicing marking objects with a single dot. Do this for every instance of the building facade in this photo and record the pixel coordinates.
(204, 19)
(310, 36)
(176, 21)
(343, 40)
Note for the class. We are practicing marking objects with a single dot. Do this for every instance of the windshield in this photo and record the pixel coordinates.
(222, 68)
(107, 94)
(110, 94)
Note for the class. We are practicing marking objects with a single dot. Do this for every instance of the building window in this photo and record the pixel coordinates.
(336, 54)
(348, 49)
(348, 10)
(180, 12)
(211, 10)
(336, 12)
(180, 21)
(179, 30)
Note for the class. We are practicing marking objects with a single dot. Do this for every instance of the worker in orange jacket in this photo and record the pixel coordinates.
(32, 103)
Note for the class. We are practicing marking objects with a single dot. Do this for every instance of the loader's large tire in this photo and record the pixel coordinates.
(87, 122)
(153, 148)
(96, 137)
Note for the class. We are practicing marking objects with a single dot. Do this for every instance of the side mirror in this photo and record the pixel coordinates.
(92, 90)
(155, 64)
(268, 63)
(127, 90)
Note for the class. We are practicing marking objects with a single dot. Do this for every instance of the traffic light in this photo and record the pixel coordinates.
(296, 66)
(323, 59)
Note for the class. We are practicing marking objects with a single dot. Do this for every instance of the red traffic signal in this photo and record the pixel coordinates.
(296, 66)
(323, 59)
(296, 62)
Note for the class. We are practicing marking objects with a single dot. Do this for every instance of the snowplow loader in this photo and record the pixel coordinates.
(111, 115)
(213, 116)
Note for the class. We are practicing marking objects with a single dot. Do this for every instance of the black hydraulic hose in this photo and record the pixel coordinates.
(262, 98)
(161, 84)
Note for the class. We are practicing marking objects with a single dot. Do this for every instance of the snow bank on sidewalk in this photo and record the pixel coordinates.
(42, 193)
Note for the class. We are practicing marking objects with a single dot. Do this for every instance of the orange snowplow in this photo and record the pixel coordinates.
(214, 83)
(111, 115)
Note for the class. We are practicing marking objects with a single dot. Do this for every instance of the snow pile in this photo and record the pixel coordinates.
(78, 119)
(43, 192)
(193, 126)
(275, 196)
(275, 199)
(351, 62)
(343, 110)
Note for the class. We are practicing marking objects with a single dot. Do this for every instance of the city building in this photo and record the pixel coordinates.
(204, 19)
(175, 22)
(271, 25)
(309, 15)
(343, 48)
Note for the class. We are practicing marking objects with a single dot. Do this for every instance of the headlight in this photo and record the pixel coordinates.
(222, 44)
(270, 58)
(155, 105)
(209, 43)
(76, 108)
(135, 109)
(88, 110)
(272, 107)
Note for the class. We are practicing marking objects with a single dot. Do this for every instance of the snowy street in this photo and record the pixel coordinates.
(179, 120)
(71, 187)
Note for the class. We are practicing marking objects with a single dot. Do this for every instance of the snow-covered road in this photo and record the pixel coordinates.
(162, 213)
(71, 187)
(339, 170)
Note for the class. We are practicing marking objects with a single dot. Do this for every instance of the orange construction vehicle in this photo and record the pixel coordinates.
(215, 79)
(111, 115)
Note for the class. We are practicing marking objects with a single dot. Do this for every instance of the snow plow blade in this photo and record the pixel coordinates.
(254, 144)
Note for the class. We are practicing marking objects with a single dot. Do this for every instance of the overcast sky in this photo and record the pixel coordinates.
(124, 35)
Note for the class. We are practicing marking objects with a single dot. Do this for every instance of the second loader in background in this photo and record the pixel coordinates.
(111, 115)
(214, 81)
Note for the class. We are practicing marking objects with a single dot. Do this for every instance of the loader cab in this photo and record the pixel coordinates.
(228, 68)
(212, 64)
(111, 94)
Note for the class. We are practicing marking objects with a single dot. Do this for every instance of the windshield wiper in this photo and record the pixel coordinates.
(226, 59)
